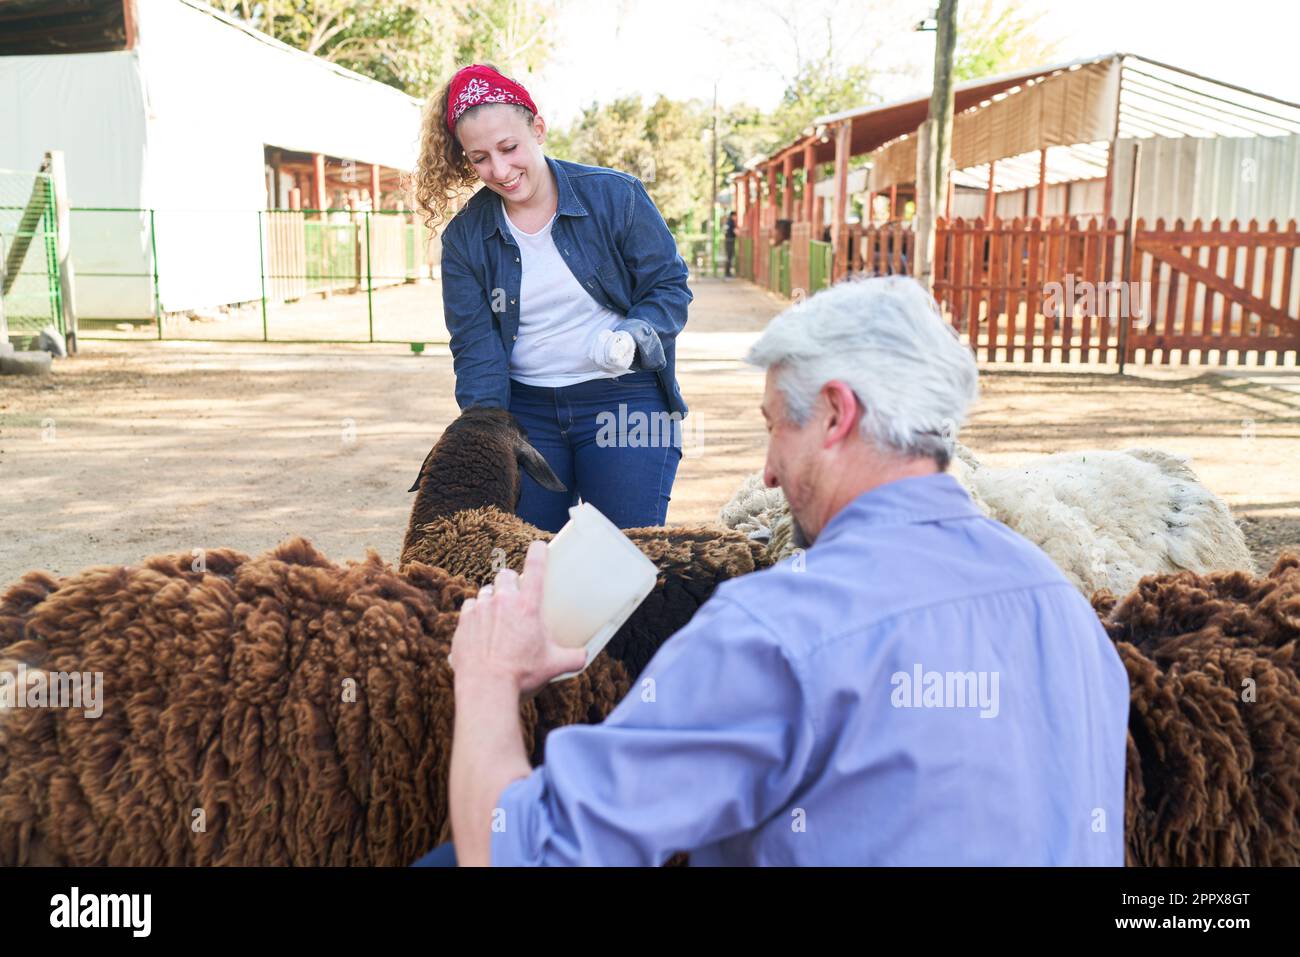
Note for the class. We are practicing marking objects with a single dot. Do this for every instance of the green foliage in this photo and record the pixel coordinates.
(412, 45)
(820, 88)
(663, 146)
(998, 36)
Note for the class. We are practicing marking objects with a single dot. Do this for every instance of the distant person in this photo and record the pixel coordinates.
(730, 241)
(563, 292)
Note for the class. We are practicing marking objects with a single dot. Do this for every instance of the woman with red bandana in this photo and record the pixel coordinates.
(563, 293)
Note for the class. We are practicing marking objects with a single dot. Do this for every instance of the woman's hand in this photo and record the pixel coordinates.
(647, 343)
(613, 351)
(501, 636)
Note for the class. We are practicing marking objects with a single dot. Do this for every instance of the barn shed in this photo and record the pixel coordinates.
(181, 126)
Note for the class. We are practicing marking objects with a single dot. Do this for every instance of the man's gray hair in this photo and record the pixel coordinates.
(885, 338)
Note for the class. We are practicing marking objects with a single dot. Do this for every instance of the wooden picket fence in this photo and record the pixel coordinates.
(883, 250)
(1029, 291)
(1218, 292)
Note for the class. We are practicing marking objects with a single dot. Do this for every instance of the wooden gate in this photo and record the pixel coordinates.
(1027, 290)
(1013, 290)
(1216, 293)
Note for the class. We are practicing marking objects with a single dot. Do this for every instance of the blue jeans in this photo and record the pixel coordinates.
(611, 441)
(444, 855)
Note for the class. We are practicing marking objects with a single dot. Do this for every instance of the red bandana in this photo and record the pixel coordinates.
(481, 84)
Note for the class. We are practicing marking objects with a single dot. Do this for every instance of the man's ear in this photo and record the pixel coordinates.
(845, 410)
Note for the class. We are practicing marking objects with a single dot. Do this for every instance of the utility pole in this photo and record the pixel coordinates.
(934, 143)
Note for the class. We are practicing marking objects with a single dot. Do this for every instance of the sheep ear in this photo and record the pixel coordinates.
(531, 461)
(419, 478)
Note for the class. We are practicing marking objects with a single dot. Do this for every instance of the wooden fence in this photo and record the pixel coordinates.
(1002, 287)
(1029, 290)
(1217, 292)
(1025, 290)
(883, 250)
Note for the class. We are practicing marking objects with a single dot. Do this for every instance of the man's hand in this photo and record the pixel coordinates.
(501, 636)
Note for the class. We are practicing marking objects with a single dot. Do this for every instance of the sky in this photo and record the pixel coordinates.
(609, 48)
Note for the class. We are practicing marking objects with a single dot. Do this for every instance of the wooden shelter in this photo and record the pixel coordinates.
(1033, 152)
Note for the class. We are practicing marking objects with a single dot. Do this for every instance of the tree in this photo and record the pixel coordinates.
(412, 45)
(661, 146)
(998, 36)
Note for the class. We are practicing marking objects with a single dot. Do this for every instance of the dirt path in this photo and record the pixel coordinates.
(134, 448)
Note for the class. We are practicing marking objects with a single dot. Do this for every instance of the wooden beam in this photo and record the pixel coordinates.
(787, 188)
(374, 186)
(771, 191)
(990, 198)
(809, 182)
(1042, 182)
(1176, 237)
(839, 267)
(1108, 195)
(318, 179)
(893, 202)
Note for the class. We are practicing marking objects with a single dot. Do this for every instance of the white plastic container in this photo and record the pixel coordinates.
(595, 579)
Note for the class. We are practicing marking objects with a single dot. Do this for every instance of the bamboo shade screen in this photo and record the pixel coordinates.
(1077, 106)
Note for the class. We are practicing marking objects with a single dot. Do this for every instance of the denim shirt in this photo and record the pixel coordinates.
(611, 234)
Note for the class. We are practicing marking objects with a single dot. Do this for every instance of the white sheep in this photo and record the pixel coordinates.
(1106, 518)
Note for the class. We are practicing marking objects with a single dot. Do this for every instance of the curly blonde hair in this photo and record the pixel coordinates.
(443, 171)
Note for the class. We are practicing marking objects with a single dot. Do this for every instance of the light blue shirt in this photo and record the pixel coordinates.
(922, 686)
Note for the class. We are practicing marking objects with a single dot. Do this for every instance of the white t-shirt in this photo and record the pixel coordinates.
(558, 318)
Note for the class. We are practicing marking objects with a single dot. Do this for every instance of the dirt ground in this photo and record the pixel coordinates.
(133, 448)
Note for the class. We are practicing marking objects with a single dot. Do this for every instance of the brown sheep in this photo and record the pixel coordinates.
(305, 710)
(1214, 719)
(463, 521)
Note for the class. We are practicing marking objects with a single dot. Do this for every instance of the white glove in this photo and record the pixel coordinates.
(613, 351)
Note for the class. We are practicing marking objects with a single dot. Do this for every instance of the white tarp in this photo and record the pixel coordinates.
(179, 125)
(87, 105)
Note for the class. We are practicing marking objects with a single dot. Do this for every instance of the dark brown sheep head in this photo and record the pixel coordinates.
(476, 462)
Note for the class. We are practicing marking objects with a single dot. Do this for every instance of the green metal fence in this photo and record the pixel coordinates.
(745, 257)
(819, 265)
(778, 269)
(30, 291)
(695, 249)
(283, 275)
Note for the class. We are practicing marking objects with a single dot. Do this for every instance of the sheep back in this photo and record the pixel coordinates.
(305, 709)
(1214, 719)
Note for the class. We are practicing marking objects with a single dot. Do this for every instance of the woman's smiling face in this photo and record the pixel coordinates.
(505, 151)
